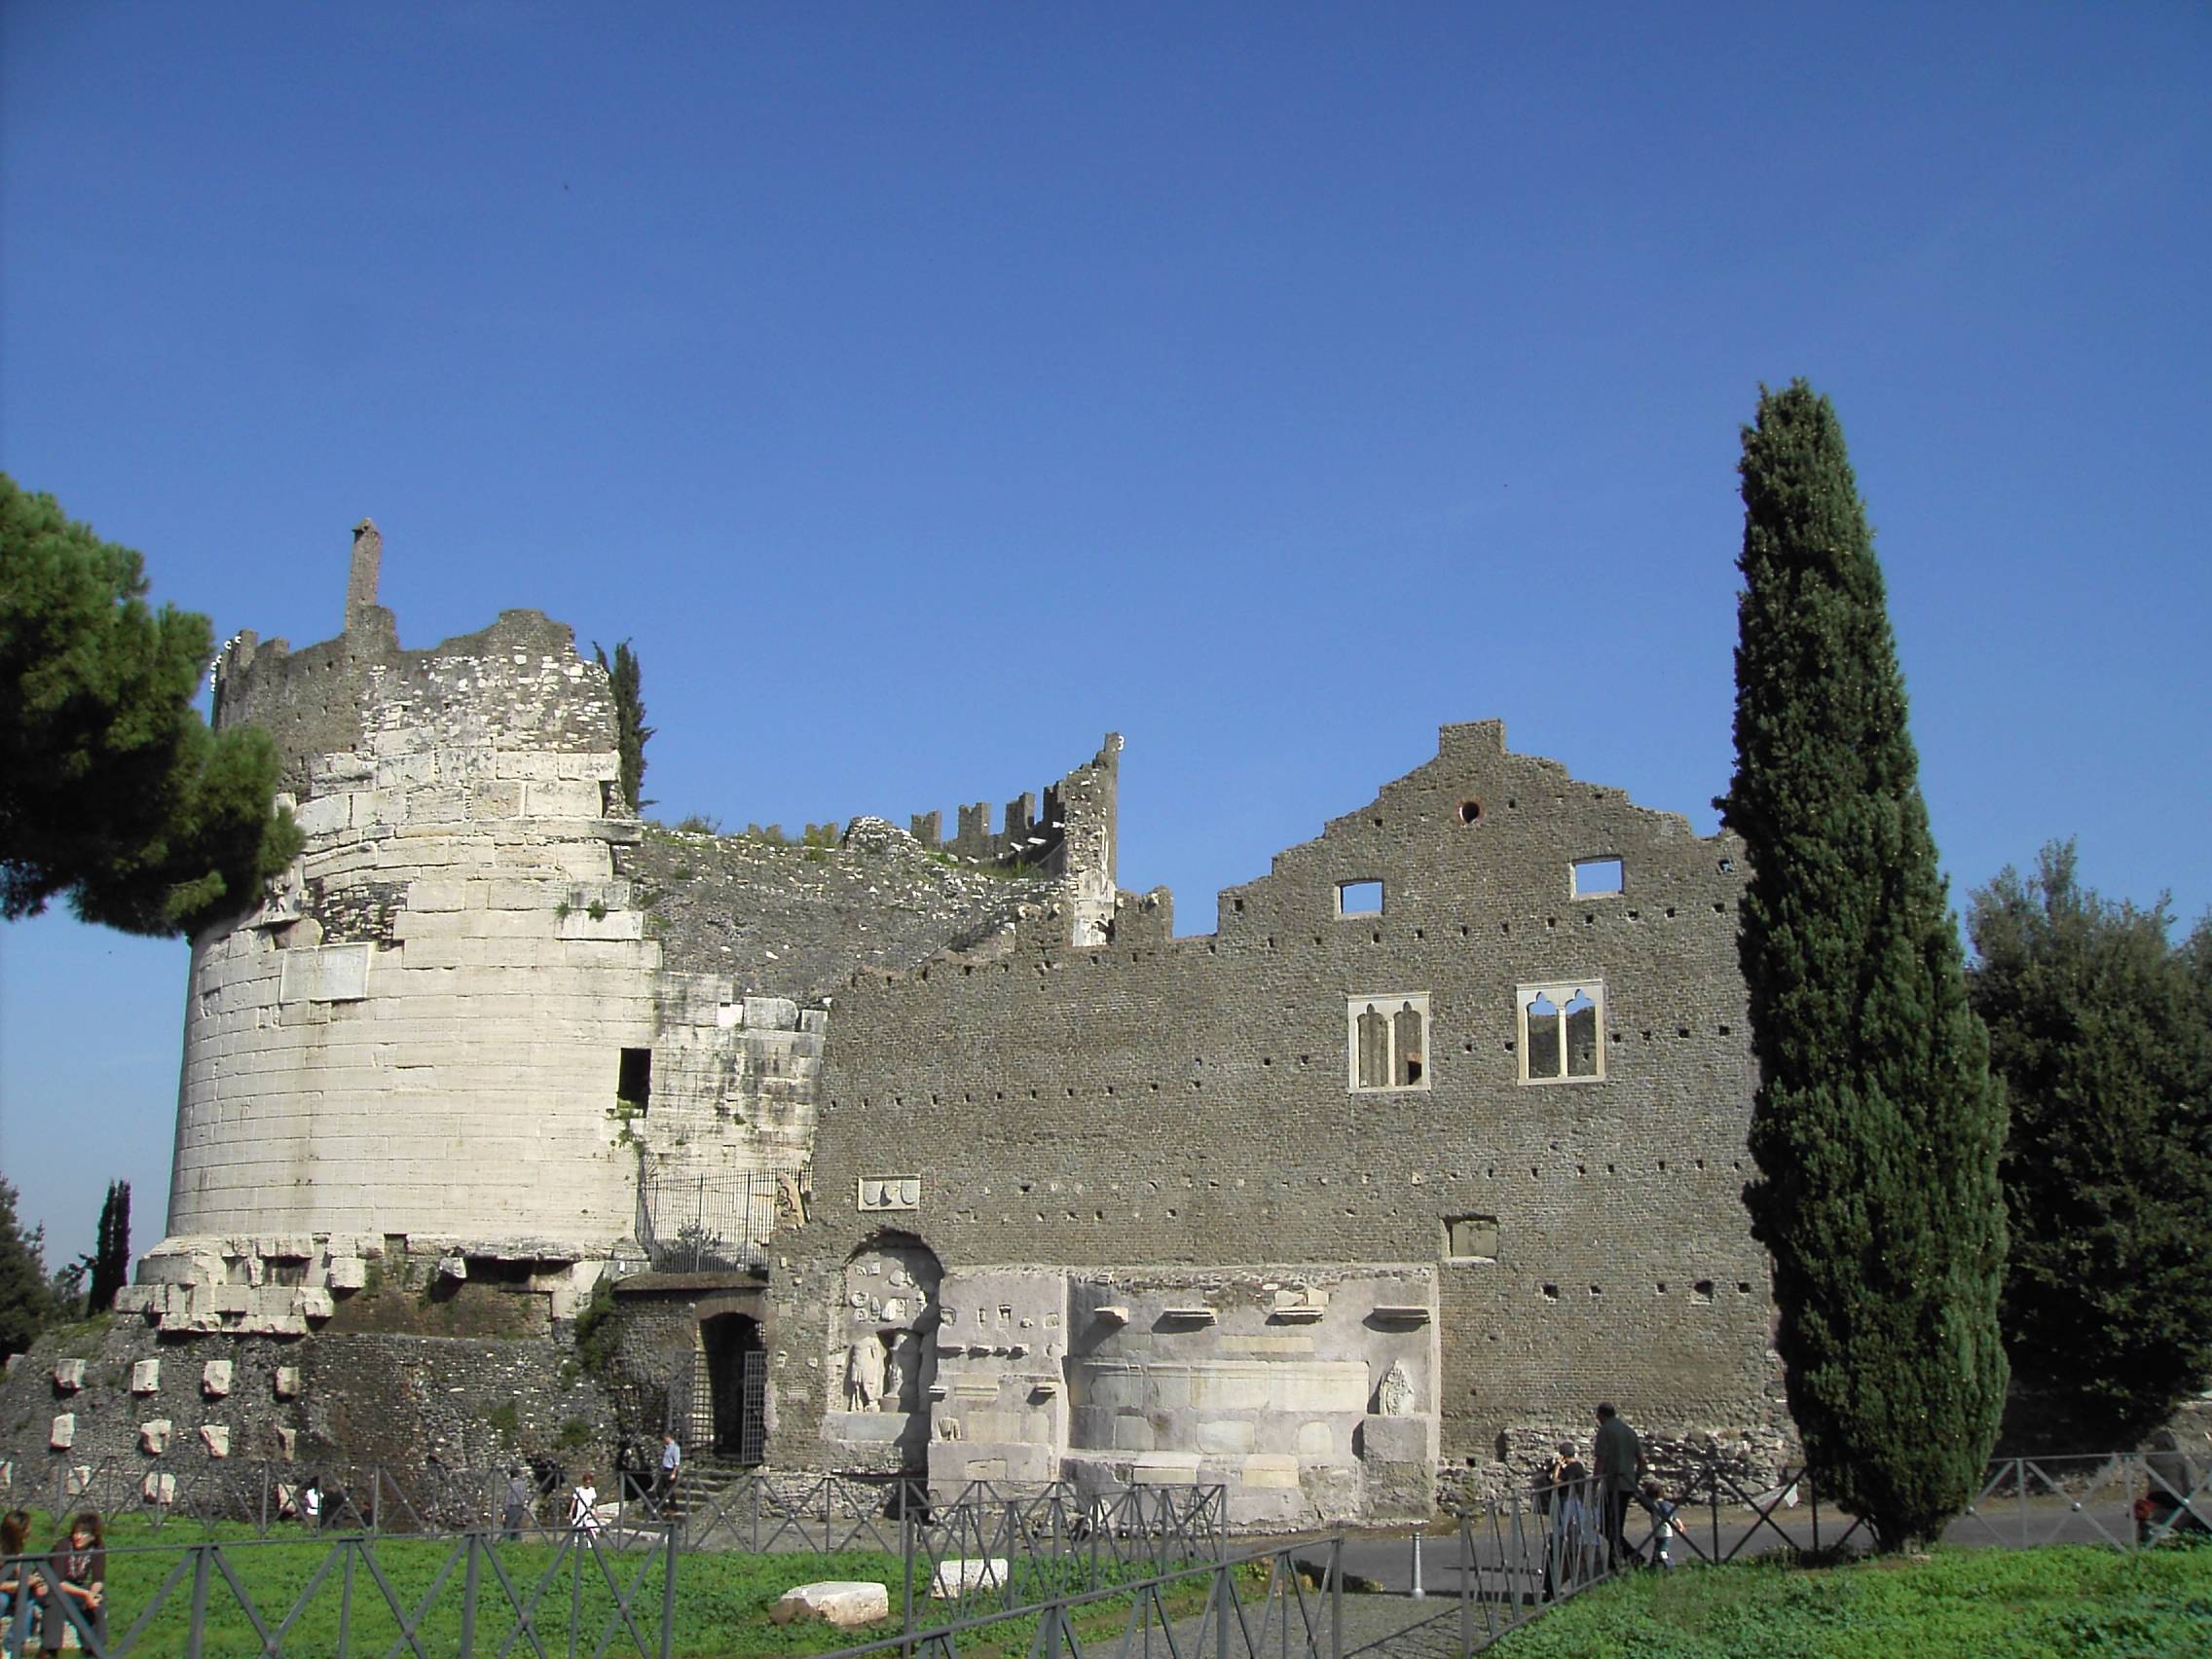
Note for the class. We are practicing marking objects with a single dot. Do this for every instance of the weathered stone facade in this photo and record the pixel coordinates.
(1358, 1199)
(1227, 1109)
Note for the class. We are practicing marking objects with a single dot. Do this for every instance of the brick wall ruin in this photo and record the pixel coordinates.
(1517, 1089)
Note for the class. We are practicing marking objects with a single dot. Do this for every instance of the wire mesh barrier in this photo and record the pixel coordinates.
(1274, 1604)
(1530, 1552)
(829, 1513)
(266, 1496)
(462, 1595)
(695, 1223)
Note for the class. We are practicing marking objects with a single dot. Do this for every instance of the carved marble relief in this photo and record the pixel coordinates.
(880, 1347)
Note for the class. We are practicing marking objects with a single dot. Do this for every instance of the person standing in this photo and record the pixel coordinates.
(1561, 1495)
(1620, 1466)
(670, 1465)
(1664, 1526)
(584, 1505)
(514, 1505)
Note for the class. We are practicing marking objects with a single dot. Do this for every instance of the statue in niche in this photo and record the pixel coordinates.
(1394, 1397)
(863, 1374)
(898, 1372)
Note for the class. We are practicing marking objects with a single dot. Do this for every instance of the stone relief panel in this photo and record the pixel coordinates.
(880, 1353)
(888, 1191)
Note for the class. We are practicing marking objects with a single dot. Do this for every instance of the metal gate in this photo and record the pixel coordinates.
(747, 1445)
(726, 1414)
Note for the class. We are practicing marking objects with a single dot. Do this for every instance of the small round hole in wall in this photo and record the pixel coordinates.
(1471, 812)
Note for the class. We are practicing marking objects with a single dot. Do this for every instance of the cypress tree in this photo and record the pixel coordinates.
(630, 729)
(1877, 1128)
(111, 1254)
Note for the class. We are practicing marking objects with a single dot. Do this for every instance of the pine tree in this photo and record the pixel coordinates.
(113, 792)
(630, 729)
(2104, 1039)
(1878, 1127)
(111, 1255)
(26, 1303)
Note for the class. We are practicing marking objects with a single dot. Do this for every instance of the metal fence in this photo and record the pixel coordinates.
(1274, 1603)
(693, 1222)
(266, 1496)
(1527, 1552)
(839, 1512)
(479, 1594)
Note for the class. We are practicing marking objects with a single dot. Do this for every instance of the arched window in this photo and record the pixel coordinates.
(1406, 1045)
(1388, 1040)
(1562, 1036)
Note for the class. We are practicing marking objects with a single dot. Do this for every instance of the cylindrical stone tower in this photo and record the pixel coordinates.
(431, 1027)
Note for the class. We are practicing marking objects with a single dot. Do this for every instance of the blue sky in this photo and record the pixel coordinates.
(927, 390)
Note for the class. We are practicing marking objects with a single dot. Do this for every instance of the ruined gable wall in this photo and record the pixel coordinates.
(1187, 1101)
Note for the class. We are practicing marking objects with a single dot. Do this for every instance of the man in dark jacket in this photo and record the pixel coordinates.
(1620, 1466)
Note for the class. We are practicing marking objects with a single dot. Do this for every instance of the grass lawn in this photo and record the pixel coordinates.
(2060, 1602)
(721, 1604)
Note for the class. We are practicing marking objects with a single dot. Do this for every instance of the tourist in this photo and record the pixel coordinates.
(15, 1539)
(1664, 1526)
(515, 1504)
(78, 1570)
(1562, 1495)
(1620, 1465)
(310, 1505)
(670, 1465)
(584, 1505)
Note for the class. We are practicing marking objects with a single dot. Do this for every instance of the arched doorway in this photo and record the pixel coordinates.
(736, 1367)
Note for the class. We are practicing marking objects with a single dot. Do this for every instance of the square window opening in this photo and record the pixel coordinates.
(1360, 898)
(1471, 1237)
(634, 1084)
(1595, 876)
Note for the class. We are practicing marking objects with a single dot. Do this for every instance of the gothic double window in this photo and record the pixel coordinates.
(1387, 1037)
(1562, 1031)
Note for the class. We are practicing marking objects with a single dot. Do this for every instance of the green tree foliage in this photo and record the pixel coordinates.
(631, 732)
(1878, 1127)
(111, 1255)
(2102, 1031)
(112, 788)
(26, 1303)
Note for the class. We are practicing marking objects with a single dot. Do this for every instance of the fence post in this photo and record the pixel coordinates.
(197, 1631)
(579, 1541)
(346, 1599)
(1336, 1596)
(1713, 1498)
(376, 1497)
(906, 1578)
(2020, 1488)
(1468, 1580)
(468, 1588)
(668, 1599)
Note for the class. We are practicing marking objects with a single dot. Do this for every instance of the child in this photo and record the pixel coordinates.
(1663, 1525)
